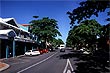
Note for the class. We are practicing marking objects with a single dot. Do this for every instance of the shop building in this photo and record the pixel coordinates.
(14, 40)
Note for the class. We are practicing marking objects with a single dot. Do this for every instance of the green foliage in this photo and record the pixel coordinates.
(87, 9)
(85, 33)
(46, 29)
(56, 42)
(106, 31)
(105, 37)
(59, 42)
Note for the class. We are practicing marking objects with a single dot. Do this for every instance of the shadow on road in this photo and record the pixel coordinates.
(88, 63)
(69, 55)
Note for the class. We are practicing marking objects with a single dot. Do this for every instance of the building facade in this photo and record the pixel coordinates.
(14, 40)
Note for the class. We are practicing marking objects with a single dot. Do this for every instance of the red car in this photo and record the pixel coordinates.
(43, 51)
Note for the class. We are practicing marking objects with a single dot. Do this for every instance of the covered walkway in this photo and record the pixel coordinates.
(11, 46)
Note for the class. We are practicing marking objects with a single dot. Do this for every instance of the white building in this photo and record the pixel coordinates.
(13, 39)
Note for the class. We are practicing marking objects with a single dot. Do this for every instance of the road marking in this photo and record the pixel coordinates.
(68, 71)
(68, 64)
(36, 63)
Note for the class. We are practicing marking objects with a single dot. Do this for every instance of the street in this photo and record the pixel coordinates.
(52, 36)
(52, 62)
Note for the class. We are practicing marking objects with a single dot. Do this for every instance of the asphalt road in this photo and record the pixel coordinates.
(52, 62)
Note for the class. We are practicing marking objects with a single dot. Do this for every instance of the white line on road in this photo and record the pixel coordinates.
(36, 63)
(68, 71)
(68, 64)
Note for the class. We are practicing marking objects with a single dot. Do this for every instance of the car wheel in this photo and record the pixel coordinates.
(30, 54)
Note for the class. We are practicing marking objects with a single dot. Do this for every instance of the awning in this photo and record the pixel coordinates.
(5, 34)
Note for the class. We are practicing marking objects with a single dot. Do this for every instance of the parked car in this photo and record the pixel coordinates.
(52, 49)
(86, 52)
(43, 51)
(32, 52)
(62, 50)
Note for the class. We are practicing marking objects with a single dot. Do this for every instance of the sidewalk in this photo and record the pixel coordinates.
(3, 66)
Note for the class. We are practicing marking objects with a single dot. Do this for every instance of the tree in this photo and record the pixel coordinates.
(56, 42)
(46, 29)
(85, 33)
(105, 37)
(87, 9)
(68, 41)
(72, 38)
(59, 41)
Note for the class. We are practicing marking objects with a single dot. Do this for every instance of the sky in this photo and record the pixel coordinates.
(24, 10)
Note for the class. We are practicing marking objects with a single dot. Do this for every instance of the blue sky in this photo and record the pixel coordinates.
(23, 10)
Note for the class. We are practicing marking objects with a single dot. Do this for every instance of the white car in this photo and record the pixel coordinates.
(32, 52)
(61, 46)
(86, 52)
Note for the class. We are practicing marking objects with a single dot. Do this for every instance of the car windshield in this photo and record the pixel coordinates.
(29, 51)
